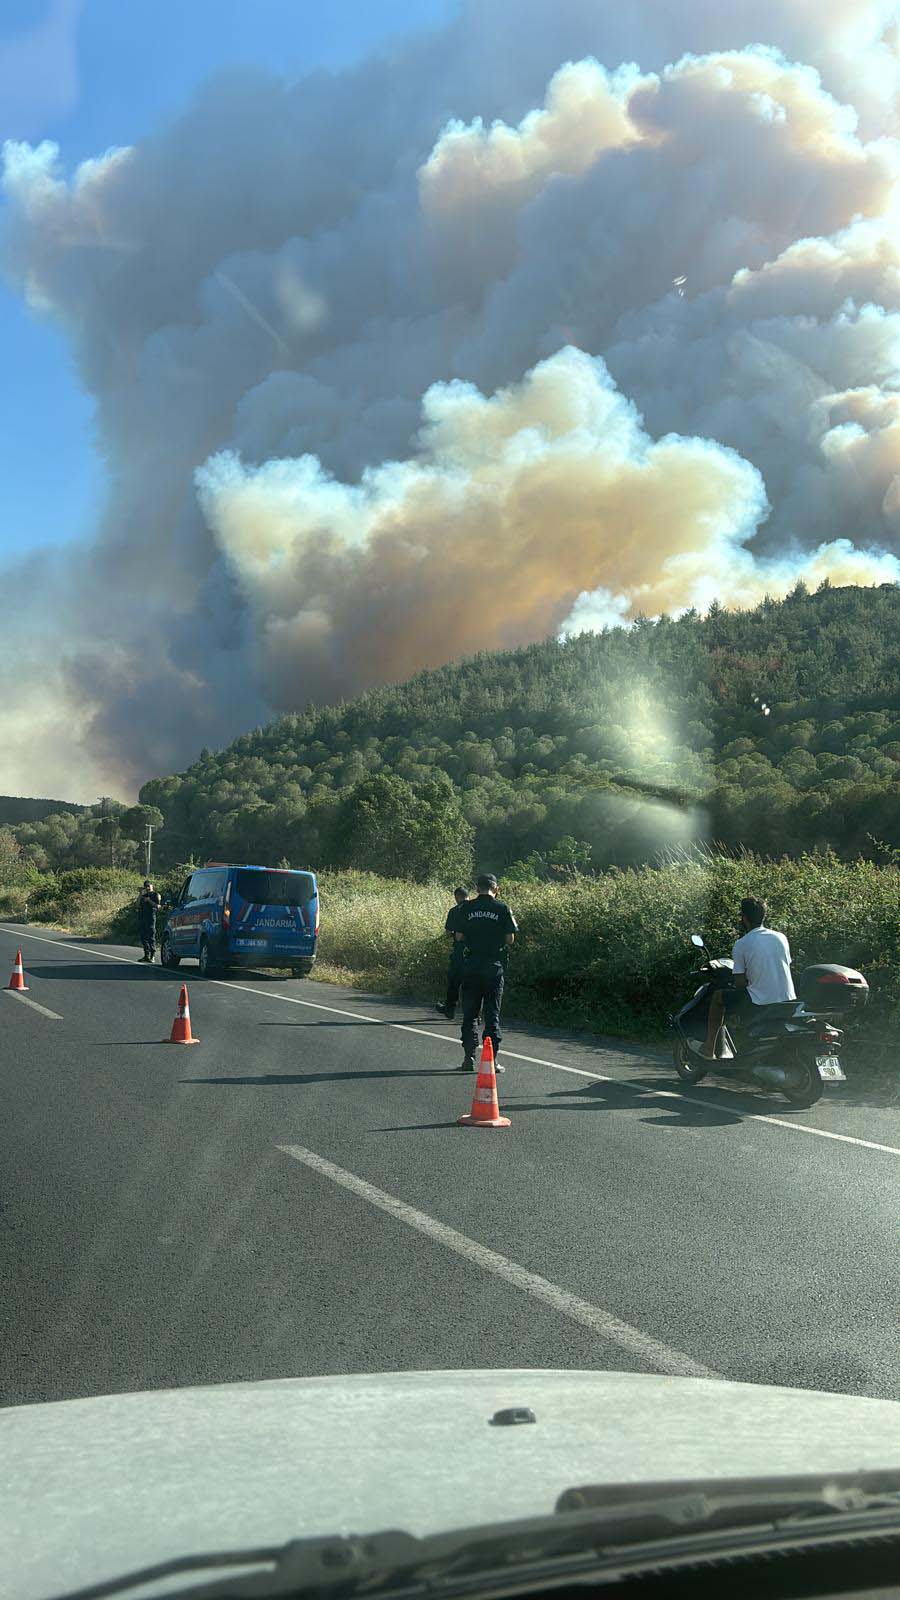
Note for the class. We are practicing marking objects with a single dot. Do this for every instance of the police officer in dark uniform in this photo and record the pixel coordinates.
(148, 906)
(489, 928)
(453, 925)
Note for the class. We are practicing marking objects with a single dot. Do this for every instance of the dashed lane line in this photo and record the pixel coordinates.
(511, 1055)
(602, 1323)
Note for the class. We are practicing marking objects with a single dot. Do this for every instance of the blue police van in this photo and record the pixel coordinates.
(243, 916)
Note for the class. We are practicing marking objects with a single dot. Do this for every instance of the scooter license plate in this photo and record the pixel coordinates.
(830, 1069)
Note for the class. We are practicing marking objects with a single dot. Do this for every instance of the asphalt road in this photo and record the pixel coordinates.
(293, 1196)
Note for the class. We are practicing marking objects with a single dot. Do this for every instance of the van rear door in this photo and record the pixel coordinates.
(274, 912)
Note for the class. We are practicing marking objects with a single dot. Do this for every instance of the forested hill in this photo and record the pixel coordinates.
(777, 728)
(15, 808)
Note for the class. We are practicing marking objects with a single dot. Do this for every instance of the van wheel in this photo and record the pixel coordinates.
(167, 955)
(208, 968)
(691, 1068)
(299, 972)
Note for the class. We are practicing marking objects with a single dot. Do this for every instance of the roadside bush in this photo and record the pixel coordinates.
(13, 899)
(84, 900)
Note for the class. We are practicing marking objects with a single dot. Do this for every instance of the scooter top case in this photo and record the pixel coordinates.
(832, 990)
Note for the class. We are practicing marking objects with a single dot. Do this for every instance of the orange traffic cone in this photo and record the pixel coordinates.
(181, 1027)
(485, 1112)
(17, 981)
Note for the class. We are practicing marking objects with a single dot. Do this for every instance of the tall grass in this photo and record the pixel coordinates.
(381, 933)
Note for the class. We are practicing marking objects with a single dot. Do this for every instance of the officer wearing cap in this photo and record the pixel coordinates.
(488, 928)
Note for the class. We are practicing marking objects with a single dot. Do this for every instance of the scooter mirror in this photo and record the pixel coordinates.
(697, 939)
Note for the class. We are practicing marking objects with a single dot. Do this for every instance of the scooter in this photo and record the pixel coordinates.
(788, 1047)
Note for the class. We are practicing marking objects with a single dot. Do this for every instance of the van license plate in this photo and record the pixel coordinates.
(830, 1069)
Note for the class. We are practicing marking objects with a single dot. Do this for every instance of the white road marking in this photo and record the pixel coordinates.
(511, 1055)
(598, 1321)
(825, 1133)
(45, 1011)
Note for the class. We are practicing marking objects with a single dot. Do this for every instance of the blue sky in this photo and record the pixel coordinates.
(94, 73)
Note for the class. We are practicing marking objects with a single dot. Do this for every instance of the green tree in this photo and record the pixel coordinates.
(386, 825)
(135, 821)
(568, 857)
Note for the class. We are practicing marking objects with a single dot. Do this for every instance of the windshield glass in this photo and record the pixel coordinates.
(450, 586)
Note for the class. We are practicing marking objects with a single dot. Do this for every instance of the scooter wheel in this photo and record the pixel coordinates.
(691, 1068)
(806, 1086)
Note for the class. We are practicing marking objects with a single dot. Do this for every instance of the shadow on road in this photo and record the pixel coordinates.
(416, 1127)
(125, 1044)
(93, 969)
(681, 1111)
(734, 1104)
(363, 1022)
(267, 1079)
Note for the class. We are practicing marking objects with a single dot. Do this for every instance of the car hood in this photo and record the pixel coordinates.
(97, 1487)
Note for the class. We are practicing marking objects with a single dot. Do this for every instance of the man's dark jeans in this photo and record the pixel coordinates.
(148, 936)
(482, 985)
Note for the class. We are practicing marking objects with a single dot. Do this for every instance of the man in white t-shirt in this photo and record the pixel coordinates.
(762, 974)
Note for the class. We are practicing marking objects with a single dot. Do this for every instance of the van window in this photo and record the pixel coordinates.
(207, 885)
(275, 888)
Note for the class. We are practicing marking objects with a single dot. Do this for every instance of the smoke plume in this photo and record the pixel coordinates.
(548, 318)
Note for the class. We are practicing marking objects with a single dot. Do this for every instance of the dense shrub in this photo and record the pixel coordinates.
(86, 899)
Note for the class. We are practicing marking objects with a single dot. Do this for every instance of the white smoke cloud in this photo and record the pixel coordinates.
(509, 507)
(733, 578)
(585, 115)
(375, 352)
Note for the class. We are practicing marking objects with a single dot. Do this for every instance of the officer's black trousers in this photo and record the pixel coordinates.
(455, 970)
(482, 985)
(148, 936)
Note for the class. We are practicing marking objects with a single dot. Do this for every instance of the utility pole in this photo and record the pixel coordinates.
(148, 845)
(106, 827)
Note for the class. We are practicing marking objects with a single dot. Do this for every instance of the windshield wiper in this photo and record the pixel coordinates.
(592, 1528)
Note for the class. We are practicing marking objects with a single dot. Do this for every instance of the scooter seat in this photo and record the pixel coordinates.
(778, 1012)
